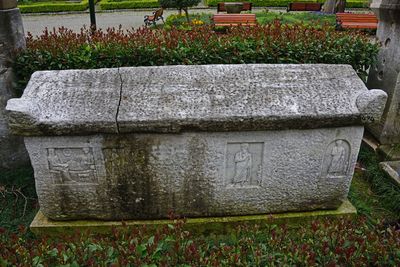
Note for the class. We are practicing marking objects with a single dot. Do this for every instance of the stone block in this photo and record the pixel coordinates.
(8, 4)
(12, 150)
(212, 140)
(42, 226)
(385, 73)
(392, 168)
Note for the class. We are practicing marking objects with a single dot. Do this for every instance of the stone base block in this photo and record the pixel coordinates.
(392, 168)
(390, 152)
(199, 226)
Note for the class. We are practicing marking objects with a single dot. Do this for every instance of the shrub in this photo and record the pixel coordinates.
(270, 43)
(321, 243)
(53, 6)
(180, 21)
(128, 4)
(180, 5)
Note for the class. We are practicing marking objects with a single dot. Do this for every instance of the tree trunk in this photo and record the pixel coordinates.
(187, 14)
(334, 6)
(340, 6)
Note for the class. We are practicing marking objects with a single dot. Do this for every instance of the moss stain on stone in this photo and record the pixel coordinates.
(129, 176)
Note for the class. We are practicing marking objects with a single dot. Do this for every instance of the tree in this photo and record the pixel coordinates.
(334, 6)
(180, 5)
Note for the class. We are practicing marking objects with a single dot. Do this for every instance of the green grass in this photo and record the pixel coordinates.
(298, 17)
(53, 6)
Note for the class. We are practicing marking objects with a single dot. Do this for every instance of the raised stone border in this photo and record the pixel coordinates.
(392, 168)
(200, 226)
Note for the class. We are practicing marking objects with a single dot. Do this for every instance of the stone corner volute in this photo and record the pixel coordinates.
(371, 105)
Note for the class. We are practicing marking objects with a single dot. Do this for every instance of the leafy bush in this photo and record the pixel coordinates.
(180, 21)
(58, 6)
(321, 243)
(180, 5)
(271, 43)
(284, 3)
(128, 4)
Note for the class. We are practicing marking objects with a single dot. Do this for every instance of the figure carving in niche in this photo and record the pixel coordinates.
(243, 165)
(72, 165)
(339, 158)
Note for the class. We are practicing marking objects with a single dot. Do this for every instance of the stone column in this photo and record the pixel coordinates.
(386, 75)
(12, 149)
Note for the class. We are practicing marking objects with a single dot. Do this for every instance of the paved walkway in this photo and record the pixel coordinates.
(128, 19)
(35, 24)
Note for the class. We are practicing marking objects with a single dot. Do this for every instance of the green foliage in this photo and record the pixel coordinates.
(180, 21)
(18, 201)
(284, 3)
(56, 6)
(128, 4)
(271, 43)
(385, 189)
(308, 18)
(321, 243)
(179, 4)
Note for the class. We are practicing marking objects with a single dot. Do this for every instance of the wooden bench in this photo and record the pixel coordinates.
(234, 19)
(356, 21)
(300, 6)
(157, 15)
(247, 6)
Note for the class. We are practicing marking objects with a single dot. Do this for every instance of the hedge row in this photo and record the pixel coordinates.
(284, 3)
(40, 7)
(128, 4)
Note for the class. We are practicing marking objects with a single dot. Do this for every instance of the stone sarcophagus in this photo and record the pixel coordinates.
(212, 140)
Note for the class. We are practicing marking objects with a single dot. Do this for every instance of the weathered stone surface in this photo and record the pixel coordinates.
(67, 102)
(8, 4)
(42, 226)
(392, 168)
(172, 99)
(143, 176)
(386, 73)
(214, 140)
(12, 150)
(188, 98)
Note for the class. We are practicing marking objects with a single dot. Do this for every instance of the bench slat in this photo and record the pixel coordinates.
(234, 19)
(247, 6)
(304, 6)
(356, 21)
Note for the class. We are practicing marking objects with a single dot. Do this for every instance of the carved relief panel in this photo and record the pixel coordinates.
(72, 165)
(244, 164)
(336, 159)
